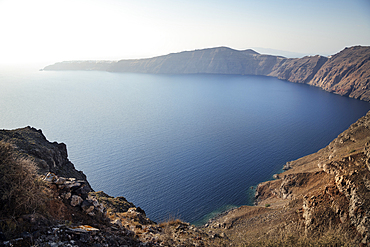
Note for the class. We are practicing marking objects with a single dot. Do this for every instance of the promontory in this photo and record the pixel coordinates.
(346, 73)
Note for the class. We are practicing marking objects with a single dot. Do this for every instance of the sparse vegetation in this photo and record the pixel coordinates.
(21, 191)
(330, 238)
(170, 222)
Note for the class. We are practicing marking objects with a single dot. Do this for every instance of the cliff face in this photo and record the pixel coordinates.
(345, 73)
(49, 157)
(299, 70)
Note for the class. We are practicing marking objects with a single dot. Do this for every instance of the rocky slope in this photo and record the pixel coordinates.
(323, 196)
(345, 73)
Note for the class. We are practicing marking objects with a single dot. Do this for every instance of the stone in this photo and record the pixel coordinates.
(73, 185)
(50, 177)
(60, 180)
(117, 222)
(67, 195)
(76, 200)
(83, 190)
(287, 166)
(87, 207)
(83, 228)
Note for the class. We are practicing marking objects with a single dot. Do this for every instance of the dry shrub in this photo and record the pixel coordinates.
(171, 222)
(329, 238)
(21, 191)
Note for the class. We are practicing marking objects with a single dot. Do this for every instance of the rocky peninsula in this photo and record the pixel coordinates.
(346, 73)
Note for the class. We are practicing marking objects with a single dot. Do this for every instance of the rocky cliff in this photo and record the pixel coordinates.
(345, 73)
(30, 143)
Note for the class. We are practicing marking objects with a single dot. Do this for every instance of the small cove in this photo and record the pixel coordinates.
(185, 146)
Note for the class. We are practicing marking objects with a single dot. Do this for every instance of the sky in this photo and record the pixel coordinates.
(50, 31)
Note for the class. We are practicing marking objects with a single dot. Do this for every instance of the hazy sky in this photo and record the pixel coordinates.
(51, 31)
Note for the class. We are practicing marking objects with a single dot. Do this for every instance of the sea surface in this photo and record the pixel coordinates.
(187, 146)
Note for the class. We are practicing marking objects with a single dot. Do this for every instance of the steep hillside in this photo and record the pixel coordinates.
(299, 70)
(346, 73)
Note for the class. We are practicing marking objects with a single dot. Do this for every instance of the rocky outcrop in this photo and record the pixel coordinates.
(352, 178)
(52, 157)
(345, 73)
(75, 193)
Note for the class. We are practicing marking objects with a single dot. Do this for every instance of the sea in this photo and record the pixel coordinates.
(178, 146)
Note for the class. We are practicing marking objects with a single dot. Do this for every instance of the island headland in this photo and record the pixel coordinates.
(346, 73)
(322, 199)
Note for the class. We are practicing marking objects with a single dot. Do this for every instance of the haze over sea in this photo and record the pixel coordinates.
(187, 146)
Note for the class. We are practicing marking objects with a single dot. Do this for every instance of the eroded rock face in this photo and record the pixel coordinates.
(346, 73)
(348, 197)
(298, 70)
(48, 156)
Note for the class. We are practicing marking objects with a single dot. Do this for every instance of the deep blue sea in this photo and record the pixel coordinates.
(186, 146)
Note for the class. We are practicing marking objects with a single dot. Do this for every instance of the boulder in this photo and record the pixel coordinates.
(76, 200)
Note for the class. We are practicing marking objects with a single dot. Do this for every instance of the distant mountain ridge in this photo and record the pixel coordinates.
(346, 73)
